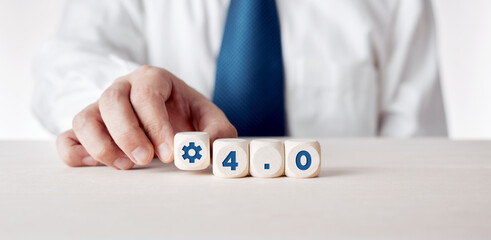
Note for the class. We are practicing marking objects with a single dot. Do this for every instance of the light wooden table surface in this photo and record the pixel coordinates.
(381, 189)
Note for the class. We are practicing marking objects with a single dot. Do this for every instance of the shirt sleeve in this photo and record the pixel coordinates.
(97, 42)
(411, 102)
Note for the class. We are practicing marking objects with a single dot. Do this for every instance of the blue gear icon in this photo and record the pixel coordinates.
(195, 156)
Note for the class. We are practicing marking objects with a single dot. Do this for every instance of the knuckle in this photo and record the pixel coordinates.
(152, 128)
(158, 73)
(153, 74)
(80, 119)
(120, 79)
(128, 134)
(68, 156)
(153, 71)
(142, 94)
(152, 82)
(131, 137)
(59, 142)
(104, 153)
(145, 68)
(109, 96)
(61, 137)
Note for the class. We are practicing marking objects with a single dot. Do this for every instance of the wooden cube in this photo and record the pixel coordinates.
(267, 158)
(192, 150)
(302, 158)
(231, 157)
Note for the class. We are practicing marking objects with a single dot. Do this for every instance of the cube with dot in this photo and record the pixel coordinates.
(267, 158)
(192, 150)
(231, 157)
(302, 158)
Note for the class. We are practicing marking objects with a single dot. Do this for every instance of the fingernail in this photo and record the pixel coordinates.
(89, 161)
(140, 154)
(164, 152)
(122, 163)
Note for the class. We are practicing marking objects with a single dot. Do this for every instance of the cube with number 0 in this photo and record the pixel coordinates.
(231, 157)
(302, 158)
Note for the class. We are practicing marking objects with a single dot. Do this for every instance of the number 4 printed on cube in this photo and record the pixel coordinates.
(231, 157)
(231, 161)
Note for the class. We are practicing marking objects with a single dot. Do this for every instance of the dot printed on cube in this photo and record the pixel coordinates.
(267, 158)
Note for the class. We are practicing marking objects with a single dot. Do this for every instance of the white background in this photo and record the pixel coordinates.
(464, 38)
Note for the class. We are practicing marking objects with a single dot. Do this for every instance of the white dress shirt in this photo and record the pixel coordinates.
(352, 67)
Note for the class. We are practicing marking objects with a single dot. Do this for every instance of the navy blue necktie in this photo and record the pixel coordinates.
(249, 85)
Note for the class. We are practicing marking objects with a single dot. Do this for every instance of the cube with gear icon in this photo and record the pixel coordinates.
(192, 150)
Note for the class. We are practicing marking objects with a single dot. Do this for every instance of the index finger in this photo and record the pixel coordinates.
(211, 119)
(150, 89)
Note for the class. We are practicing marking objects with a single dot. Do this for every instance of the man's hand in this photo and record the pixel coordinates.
(136, 117)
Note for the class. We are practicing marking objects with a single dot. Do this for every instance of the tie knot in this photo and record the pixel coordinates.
(253, 11)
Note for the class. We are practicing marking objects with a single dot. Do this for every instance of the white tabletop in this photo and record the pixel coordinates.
(384, 189)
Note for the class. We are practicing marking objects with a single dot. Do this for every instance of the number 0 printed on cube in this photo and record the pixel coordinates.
(302, 158)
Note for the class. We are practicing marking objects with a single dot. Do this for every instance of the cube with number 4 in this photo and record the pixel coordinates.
(302, 158)
(192, 150)
(231, 157)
